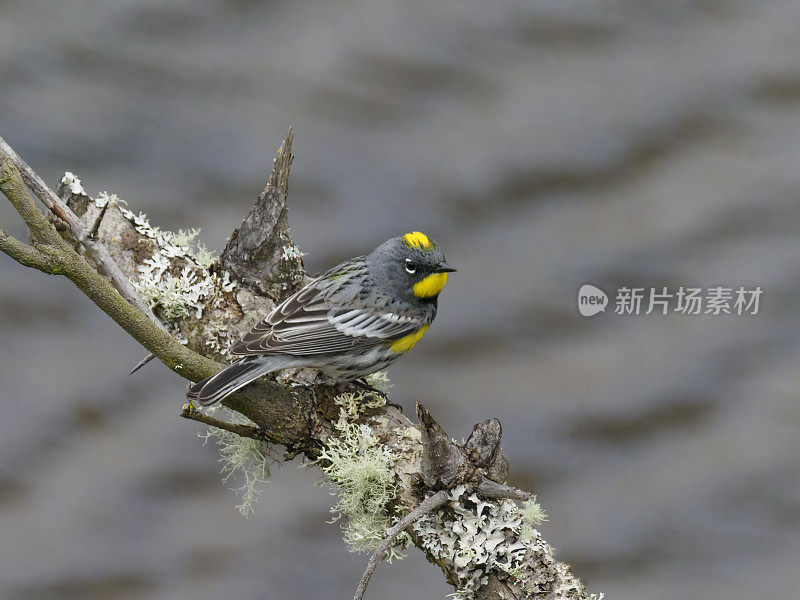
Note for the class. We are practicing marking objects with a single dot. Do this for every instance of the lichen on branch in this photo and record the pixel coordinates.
(384, 466)
(243, 459)
(362, 471)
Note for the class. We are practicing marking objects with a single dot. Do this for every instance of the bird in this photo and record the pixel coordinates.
(353, 320)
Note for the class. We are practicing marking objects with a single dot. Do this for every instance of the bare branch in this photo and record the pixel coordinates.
(248, 431)
(428, 505)
(279, 178)
(444, 465)
(14, 189)
(78, 229)
(261, 255)
(25, 254)
(491, 489)
(68, 262)
(142, 363)
(96, 226)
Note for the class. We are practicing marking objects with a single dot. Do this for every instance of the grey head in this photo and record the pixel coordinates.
(410, 267)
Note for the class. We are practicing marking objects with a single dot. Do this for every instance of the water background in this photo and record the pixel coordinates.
(544, 145)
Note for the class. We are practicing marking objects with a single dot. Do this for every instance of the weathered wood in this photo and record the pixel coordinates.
(261, 264)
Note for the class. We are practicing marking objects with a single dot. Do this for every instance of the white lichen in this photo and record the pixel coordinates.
(291, 252)
(104, 198)
(362, 470)
(218, 337)
(380, 381)
(73, 183)
(176, 296)
(242, 458)
(183, 238)
(352, 405)
(481, 537)
(175, 281)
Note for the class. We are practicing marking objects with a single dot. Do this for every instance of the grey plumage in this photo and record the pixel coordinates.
(237, 375)
(343, 323)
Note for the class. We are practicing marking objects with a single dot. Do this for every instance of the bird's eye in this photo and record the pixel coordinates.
(411, 266)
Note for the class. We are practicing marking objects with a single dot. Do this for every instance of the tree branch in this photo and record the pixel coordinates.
(24, 254)
(16, 192)
(66, 261)
(491, 489)
(246, 431)
(82, 234)
(260, 253)
(96, 226)
(428, 505)
(285, 412)
(260, 266)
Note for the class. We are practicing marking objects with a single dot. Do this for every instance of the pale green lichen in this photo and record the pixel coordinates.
(481, 537)
(352, 404)
(533, 515)
(380, 381)
(462, 595)
(204, 257)
(170, 296)
(176, 280)
(242, 458)
(174, 295)
(185, 237)
(362, 470)
(218, 337)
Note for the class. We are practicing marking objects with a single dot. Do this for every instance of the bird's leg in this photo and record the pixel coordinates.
(362, 383)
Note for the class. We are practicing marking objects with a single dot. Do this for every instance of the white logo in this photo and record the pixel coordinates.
(718, 300)
(591, 300)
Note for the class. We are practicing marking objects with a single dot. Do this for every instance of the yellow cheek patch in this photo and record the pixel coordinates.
(430, 286)
(417, 239)
(404, 344)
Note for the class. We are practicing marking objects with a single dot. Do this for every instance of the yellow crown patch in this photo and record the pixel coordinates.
(417, 239)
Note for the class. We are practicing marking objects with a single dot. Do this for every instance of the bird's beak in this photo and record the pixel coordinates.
(443, 267)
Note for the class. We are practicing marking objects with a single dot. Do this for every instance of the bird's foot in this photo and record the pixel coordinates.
(362, 383)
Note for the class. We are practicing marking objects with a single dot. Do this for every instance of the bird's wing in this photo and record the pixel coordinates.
(312, 322)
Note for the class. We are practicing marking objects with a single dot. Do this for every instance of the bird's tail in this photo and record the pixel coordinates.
(237, 375)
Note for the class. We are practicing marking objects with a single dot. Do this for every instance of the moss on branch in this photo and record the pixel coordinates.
(56, 256)
(485, 544)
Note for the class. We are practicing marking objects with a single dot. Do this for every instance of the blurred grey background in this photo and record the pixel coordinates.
(544, 145)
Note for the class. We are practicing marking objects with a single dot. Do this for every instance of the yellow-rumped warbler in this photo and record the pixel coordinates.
(353, 320)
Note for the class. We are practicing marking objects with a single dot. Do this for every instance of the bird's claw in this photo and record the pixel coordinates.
(361, 383)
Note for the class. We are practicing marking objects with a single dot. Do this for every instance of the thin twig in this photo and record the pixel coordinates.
(428, 505)
(491, 489)
(288, 415)
(142, 363)
(96, 225)
(248, 431)
(63, 259)
(98, 251)
(24, 254)
(14, 188)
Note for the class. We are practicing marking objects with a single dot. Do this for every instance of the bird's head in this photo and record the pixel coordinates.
(409, 266)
